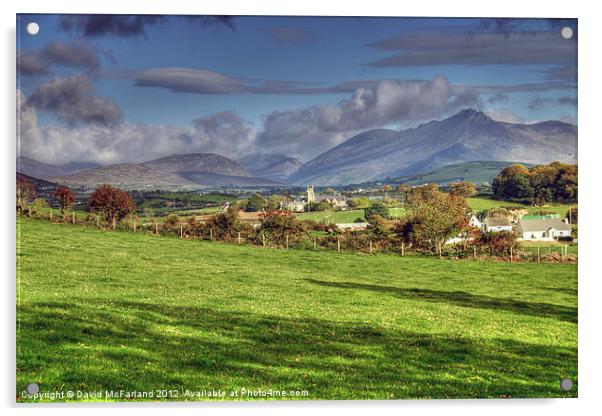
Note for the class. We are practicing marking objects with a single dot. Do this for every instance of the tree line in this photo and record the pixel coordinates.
(538, 185)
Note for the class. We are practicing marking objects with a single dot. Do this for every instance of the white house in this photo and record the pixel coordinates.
(497, 224)
(474, 222)
(543, 229)
(294, 205)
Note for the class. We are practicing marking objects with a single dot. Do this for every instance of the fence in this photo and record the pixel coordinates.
(354, 242)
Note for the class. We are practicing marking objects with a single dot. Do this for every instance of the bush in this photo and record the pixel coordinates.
(377, 208)
(277, 225)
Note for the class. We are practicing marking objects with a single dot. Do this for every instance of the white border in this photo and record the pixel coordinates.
(590, 138)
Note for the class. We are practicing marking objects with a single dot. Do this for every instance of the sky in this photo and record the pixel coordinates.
(125, 88)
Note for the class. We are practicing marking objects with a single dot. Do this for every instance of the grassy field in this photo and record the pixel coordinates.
(116, 310)
(343, 217)
(483, 203)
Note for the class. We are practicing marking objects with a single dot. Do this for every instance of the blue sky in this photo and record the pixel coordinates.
(325, 79)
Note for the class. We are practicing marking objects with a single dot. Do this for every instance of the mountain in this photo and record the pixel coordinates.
(476, 172)
(274, 166)
(37, 169)
(466, 136)
(187, 170)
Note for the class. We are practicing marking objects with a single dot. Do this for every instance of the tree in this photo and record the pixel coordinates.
(542, 179)
(319, 206)
(64, 198)
(277, 226)
(256, 203)
(423, 193)
(377, 208)
(463, 189)
(113, 203)
(26, 191)
(225, 225)
(360, 202)
(404, 190)
(430, 222)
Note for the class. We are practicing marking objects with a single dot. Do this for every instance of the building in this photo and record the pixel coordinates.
(496, 224)
(336, 201)
(293, 206)
(474, 222)
(543, 229)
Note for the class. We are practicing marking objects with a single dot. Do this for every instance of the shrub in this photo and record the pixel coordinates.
(112, 203)
(277, 225)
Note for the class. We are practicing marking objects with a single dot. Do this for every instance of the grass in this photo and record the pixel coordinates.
(343, 217)
(478, 204)
(103, 310)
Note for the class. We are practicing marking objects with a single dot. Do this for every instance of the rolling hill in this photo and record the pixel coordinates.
(187, 170)
(466, 136)
(35, 168)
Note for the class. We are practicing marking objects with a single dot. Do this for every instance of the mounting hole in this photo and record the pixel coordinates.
(566, 384)
(33, 28)
(566, 32)
(33, 388)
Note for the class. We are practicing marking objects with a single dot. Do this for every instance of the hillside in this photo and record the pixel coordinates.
(188, 170)
(342, 326)
(467, 136)
(42, 170)
(476, 172)
(274, 166)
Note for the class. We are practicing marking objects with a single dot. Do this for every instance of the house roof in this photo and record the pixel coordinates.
(543, 225)
(497, 222)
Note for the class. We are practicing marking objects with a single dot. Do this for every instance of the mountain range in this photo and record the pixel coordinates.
(373, 155)
(469, 135)
(187, 170)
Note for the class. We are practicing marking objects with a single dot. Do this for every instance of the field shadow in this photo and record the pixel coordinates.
(137, 345)
(465, 299)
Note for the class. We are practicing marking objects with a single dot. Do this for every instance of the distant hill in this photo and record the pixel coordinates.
(41, 185)
(476, 172)
(466, 136)
(274, 166)
(188, 170)
(42, 170)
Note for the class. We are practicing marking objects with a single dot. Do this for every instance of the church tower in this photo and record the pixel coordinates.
(311, 197)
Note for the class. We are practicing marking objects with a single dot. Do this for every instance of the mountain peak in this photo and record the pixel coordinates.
(471, 114)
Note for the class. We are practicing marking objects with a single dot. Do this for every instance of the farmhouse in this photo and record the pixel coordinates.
(497, 224)
(294, 205)
(543, 229)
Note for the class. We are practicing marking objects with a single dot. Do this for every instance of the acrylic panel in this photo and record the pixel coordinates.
(233, 208)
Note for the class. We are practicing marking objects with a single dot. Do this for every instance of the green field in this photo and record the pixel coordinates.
(343, 217)
(478, 204)
(117, 310)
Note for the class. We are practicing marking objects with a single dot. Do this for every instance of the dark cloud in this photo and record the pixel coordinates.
(97, 25)
(290, 35)
(566, 100)
(481, 48)
(72, 100)
(30, 63)
(78, 54)
(106, 24)
(562, 72)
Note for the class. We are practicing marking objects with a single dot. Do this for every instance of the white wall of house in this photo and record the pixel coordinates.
(498, 228)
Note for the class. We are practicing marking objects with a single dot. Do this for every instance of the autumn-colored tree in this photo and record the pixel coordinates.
(226, 225)
(376, 209)
(113, 203)
(64, 198)
(513, 182)
(277, 225)
(464, 189)
(256, 203)
(423, 193)
(26, 191)
(404, 190)
(430, 222)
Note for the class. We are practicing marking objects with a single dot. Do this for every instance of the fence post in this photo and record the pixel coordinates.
(474, 251)
(287, 241)
(263, 239)
(114, 223)
(370, 246)
(538, 258)
(134, 222)
(181, 231)
(239, 237)
(315, 243)
(156, 228)
(50, 214)
(73, 217)
(510, 254)
(97, 221)
(338, 244)
(402, 247)
(211, 233)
